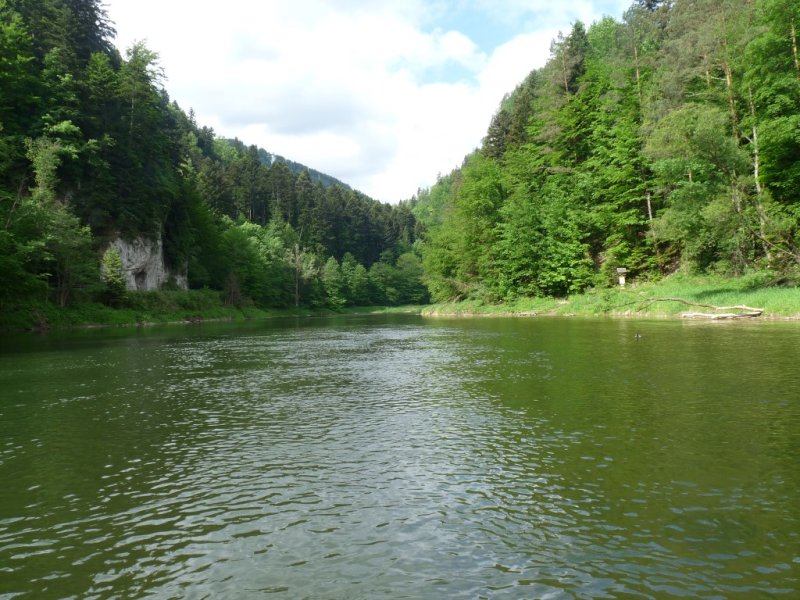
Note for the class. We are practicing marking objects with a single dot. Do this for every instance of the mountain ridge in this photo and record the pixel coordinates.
(268, 158)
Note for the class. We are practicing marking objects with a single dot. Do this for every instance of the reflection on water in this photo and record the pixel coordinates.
(401, 458)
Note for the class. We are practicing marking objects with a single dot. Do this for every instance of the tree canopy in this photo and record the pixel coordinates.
(669, 140)
(93, 149)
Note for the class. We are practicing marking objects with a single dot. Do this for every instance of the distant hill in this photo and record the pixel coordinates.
(268, 159)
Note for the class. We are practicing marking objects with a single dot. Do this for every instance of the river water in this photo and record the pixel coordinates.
(401, 457)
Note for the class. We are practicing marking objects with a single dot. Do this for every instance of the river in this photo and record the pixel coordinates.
(401, 457)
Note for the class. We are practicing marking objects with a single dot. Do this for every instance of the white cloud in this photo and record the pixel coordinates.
(346, 87)
(548, 14)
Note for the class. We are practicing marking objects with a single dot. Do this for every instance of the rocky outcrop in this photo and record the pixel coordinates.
(143, 264)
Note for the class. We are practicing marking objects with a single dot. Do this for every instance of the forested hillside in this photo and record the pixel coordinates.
(667, 141)
(92, 150)
(268, 159)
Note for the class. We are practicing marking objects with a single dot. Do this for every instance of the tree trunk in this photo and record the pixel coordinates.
(22, 187)
(564, 74)
(736, 195)
(794, 47)
(731, 101)
(638, 73)
(649, 198)
(719, 316)
(762, 217)
(297, 267)
(741, 310)
(62, 285)
(130, 124)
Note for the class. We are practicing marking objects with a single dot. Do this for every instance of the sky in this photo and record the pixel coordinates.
(385, 95)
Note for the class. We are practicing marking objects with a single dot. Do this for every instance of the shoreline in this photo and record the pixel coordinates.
(675, 297)
(235, 316)
(436, 314)
(489, 312)
(669, 298)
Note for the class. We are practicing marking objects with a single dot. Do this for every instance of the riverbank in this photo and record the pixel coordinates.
(648, 300)
(639, 300)
(150, 308)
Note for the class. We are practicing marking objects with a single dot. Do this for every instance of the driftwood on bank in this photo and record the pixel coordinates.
(745, 311)
(699, 315)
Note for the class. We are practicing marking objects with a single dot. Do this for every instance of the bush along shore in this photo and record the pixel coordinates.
(754, 296)
(146, 308)
(757, 295)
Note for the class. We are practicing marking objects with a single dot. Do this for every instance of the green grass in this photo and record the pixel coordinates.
(754, 290)
(410, 309)
(159, 307)
(636, 300)
(46, 315)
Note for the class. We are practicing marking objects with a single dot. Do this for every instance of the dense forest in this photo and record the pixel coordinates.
(93, 150)
(269, 159)
(667, 141)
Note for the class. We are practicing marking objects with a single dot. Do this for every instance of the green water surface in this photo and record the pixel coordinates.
(396, 457)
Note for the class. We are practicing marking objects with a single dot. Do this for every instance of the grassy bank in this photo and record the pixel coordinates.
(636, 300)
(137, 309)
(647, 299)
(158, 307)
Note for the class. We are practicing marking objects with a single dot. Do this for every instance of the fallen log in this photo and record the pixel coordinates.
(717, 316)
(747, 311)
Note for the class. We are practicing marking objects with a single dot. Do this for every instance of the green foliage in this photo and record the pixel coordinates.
(399, 283)
(335, 287)
(358, 285)
(18, 283)
(71, 259)
(66, 255)
(193, 302)
(20, 87)
(540, 245)
(113, 275)
(460, 251)
(666, 142)
(92, 149)
(441, 265)
(408, 280)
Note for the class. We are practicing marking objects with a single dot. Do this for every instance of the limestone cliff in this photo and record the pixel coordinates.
(143, 264)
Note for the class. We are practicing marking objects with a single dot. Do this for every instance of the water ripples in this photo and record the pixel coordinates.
(372, 461)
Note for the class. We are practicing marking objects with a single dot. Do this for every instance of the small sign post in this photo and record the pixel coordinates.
(621, 272)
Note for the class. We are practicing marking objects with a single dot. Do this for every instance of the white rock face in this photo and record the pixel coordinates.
(143, 264)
